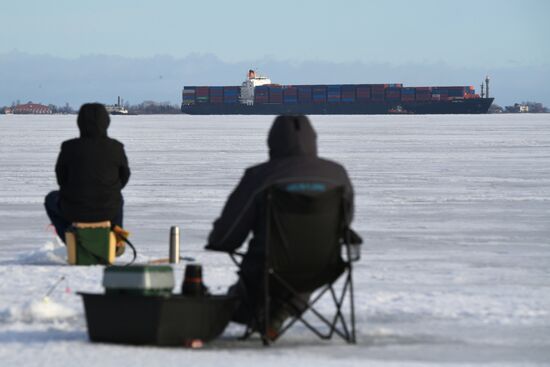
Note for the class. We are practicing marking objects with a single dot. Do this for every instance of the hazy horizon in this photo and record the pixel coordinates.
(56, 80)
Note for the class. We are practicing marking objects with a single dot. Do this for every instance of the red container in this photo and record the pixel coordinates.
(290, 91)
(201, 91)
(275, 95)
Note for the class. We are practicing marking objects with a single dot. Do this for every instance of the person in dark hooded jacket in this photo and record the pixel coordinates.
(292, 161)
(91, 171)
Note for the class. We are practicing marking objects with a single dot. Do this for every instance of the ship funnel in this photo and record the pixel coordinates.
(487, 86)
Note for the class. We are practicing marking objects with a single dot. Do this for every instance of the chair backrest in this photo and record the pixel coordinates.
(304, 236)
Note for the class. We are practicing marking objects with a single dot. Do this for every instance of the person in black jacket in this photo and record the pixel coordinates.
(91, 171)
(292, 160)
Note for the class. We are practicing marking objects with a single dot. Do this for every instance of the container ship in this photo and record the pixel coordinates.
(259, 96)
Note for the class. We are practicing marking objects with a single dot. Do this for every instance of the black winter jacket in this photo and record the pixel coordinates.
(91, 170)
(292, 159)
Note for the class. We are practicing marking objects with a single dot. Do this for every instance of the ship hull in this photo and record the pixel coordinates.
(457, 106)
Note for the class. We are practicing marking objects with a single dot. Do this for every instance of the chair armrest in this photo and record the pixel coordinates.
(354, 252)
(234, 255)
(354, 238)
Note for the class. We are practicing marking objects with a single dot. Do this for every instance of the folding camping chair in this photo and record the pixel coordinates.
(306, 236)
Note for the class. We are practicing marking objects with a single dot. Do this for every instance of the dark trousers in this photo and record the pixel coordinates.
(61, 224)
(283, 303)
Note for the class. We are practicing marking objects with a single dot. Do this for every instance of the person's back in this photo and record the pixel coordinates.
(293, 164)
(91, 171)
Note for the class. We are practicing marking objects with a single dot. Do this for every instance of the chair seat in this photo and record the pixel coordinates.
(310, 281)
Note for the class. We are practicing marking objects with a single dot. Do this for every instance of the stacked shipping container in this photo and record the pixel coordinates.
(407, 94)
(290, 95)
(188, 95)
(319, 94)
(348, 94)
(423, 93)
(261, 94)
(275, 94)
(216, 95)
(393, 92)
(439, 94)
(304, 94)
(333, 93)
(231, 94)
(377, 92)
(201, 94)
(363, 93)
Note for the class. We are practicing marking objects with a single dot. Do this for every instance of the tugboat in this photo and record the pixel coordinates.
(117, 109)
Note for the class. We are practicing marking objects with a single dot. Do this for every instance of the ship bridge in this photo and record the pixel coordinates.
(247, 88)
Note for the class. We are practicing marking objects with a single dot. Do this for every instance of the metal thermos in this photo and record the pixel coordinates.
(174, 253)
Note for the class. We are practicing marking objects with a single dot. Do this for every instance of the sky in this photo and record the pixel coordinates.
(479, 35)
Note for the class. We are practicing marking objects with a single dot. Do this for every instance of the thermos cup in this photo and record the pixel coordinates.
(192, 282)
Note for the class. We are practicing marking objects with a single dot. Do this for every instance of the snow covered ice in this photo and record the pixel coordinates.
(454, 210)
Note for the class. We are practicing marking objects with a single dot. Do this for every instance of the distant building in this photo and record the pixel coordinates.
(8, 111)
(518, 108)
(32, 109)
(523, 108)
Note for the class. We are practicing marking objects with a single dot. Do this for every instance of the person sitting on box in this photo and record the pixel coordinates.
(91, 172)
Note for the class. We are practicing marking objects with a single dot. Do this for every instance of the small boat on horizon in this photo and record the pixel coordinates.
(117, 109)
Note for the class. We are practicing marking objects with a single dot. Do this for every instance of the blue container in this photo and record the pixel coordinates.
(456, 92)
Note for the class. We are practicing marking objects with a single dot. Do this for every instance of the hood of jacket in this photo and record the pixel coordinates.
(292, 136)
(93, 120)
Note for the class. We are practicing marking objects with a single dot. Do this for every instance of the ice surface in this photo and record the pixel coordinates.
(454, 210)
(38, 311)
(52, 253)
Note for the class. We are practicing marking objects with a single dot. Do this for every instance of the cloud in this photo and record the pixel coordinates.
(50, 79)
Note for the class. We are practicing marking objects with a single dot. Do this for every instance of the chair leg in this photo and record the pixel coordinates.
(347, 290)
(343, 331)
(247, 333)
(352, 315)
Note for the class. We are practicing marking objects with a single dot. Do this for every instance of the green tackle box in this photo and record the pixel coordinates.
(90, 244)
(144, 280)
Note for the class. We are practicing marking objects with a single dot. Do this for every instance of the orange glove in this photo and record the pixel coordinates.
(120, 235)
